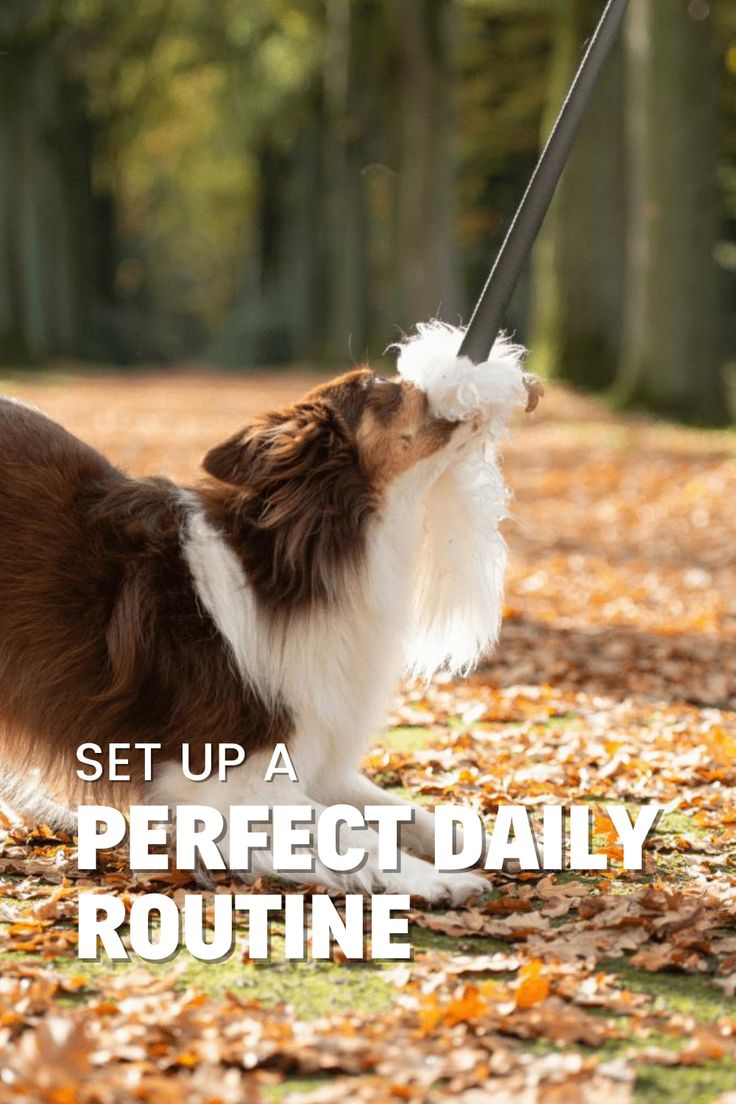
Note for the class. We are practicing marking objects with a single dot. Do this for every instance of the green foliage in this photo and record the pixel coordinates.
(183, 97)
(291, 179)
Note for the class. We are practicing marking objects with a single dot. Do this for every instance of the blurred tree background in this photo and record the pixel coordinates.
(261, 182)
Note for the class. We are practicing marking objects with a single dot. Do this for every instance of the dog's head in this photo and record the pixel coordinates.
(297, 487)
(295, 491)
(380, 426)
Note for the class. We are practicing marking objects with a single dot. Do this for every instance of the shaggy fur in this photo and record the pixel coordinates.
(459, 390)
(458, 595)
(332, 543)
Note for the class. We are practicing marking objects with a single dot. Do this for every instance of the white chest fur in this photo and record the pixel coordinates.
(333, 666)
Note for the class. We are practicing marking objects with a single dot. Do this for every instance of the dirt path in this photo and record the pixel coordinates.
(615, 682)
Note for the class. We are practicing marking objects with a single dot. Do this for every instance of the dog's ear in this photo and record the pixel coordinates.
(278, 447)
(303, 500)
(225, 461)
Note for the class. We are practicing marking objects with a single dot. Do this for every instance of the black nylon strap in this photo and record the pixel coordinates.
(489, 312)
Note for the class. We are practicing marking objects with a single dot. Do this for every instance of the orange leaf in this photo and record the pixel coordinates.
(469, 1006)
(532, 987)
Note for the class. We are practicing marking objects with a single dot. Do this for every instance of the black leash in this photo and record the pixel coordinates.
(489, 312)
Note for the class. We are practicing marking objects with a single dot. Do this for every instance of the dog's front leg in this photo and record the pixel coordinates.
(353, 788)
(247, 786)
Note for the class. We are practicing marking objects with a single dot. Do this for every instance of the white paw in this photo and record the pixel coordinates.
(436, 888)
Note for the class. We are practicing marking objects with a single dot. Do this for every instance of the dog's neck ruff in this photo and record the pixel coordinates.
(221, 587)
(332, 665)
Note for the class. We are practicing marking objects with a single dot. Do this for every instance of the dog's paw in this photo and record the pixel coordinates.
(436, 889)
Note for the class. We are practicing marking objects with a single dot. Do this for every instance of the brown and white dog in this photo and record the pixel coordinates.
(334, 543)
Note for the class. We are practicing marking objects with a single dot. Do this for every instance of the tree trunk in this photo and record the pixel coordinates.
(578, 275)
(42, 249)
(344, 97)
(426, 231)
(302, 259)
(672, 349)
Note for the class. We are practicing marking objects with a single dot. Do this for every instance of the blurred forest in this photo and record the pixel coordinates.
(261, 182)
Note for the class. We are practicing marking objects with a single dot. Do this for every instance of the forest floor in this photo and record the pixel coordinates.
(614, 682)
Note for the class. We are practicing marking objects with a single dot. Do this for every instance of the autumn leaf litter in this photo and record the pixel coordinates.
(615, 681)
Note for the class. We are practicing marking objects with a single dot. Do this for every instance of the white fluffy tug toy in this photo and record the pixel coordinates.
(460, 390)
(458, 599)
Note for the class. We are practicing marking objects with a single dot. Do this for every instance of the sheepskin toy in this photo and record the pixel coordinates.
(457, 388)
(459, 595)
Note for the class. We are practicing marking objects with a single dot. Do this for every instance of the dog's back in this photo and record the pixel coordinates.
(102, 635)
(48, 479)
